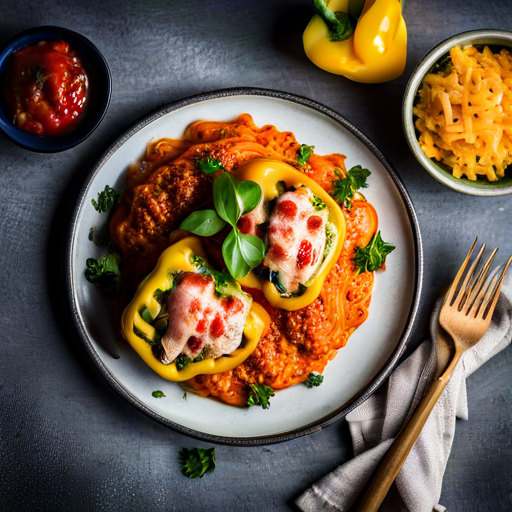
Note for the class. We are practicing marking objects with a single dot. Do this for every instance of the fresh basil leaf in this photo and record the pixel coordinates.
(197, 461)
(107, 199)
(203, 223)
(249, 194)
(252, 248)
(313, 380)
(233, 256)
(373, 256)
(304, 153)
(210, 165)
(242, 253)
(158, 394)
(260, 395)
(345, 187)
(225, 198)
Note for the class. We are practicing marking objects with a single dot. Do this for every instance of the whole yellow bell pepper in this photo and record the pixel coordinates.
(374, 52)
(140, 321)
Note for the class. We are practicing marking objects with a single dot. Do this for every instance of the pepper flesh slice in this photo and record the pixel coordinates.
(269, 174)
(178, 257)
(375, 53)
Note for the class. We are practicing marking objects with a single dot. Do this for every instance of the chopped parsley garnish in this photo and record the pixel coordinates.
(158, 394)
(210, 165)
(373, 256)
(318, 204)
(100, 236)
(104, 273)
(304, 153)
(345, 188)
(181, 361)
(222, 279)
(195, 462)
(107, 199)
(313, 381)
(184, 396)
(260, 395)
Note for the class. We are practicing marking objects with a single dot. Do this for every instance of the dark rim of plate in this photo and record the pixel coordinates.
(345, 408)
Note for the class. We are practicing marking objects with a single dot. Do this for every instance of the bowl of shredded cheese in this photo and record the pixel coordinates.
(457, 112)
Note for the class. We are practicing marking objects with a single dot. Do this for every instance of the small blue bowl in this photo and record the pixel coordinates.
(99, 89)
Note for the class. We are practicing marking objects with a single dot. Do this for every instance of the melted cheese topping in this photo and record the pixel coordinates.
(296, 237)
(199, 320)
(465, 118)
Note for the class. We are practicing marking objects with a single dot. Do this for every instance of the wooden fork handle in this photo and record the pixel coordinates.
(390, 465)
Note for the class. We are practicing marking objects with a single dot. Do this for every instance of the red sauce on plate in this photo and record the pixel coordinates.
(46, 88)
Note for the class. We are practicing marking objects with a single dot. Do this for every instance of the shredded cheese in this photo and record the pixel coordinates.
(465, 118)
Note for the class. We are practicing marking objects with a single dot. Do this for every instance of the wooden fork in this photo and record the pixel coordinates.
(465, 316)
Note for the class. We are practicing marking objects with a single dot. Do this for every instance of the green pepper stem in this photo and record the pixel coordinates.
(339, 23)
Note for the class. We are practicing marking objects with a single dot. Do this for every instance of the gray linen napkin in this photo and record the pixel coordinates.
(375, 423)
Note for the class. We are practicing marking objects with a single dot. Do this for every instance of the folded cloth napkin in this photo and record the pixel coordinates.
(375, 423)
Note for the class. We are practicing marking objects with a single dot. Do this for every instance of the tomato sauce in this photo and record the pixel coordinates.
(46, 88)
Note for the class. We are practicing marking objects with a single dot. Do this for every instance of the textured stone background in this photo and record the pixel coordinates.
(67, 440)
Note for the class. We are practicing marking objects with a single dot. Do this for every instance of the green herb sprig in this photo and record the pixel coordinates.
(318, 204)
(107, 199)
(158, 394)
(222, 279)
(304, 153)
(210, 165)
(182, 360)
(104, 273)
(313, 381)
(260, 395)
(232, 199)
(195, 462)
(373, 256)
(345, 188)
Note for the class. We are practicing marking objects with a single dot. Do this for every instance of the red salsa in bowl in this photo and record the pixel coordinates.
(55, 88)
(46, 88)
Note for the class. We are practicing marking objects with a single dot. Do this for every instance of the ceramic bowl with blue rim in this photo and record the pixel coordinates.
(99, 89)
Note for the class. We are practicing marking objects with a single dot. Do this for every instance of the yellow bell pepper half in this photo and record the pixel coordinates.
(140, 332)
(268, 173)
(375, 53)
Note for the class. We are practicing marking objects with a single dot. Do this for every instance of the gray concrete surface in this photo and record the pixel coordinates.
(67, 440)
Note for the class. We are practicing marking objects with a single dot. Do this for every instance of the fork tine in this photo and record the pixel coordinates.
(484, 292)
(476, 284)
(462, 295)
(490, 303)
(453, 287)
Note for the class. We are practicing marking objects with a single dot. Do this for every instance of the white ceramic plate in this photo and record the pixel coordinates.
(371, 352)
